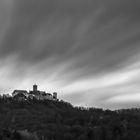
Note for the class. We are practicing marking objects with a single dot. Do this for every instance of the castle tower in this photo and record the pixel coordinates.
(34, 88)
(55, 95)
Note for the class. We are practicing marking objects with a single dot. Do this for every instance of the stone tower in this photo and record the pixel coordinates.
(55, 95)
(34, 88)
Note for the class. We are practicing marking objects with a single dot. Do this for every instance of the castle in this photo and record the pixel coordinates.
(34, 94)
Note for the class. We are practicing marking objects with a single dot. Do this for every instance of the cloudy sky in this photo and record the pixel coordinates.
(86, 50)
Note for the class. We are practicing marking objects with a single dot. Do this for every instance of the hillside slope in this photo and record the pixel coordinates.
(52, 120)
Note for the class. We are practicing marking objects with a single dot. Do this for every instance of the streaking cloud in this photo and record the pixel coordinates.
(86, 51)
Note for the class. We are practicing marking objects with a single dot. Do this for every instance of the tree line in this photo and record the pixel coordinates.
(51, 120)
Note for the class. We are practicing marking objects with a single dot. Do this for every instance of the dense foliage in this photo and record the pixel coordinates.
(53, 120)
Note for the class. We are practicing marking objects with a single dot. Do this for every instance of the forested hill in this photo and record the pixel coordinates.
(53, 120)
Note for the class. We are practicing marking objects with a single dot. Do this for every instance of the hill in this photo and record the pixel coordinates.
(53, 120)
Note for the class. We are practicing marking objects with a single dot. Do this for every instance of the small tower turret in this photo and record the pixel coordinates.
(55, 95)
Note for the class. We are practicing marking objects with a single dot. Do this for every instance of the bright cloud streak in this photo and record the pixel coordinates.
(105, 80)
(87, 51)
(133, 97)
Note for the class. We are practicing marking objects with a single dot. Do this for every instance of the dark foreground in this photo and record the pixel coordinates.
(49, 120)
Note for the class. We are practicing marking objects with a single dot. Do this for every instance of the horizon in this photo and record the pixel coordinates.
(86, 51)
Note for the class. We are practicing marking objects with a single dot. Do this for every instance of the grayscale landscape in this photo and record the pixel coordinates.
(69, 69)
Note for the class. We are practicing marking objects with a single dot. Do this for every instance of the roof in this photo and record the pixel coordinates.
(49, 94)
(20, 91)
(20, 95)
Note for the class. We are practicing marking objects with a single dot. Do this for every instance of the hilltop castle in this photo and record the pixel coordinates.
(34, 94)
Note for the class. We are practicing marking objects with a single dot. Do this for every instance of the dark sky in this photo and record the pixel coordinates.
(87, 51)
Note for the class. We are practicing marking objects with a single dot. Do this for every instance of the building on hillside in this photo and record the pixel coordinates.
(20, 97)
(40, 95)
(47, 96)
(35, 88)
(24, 92)
(34, 94)
(31, 96)
(55, 95)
